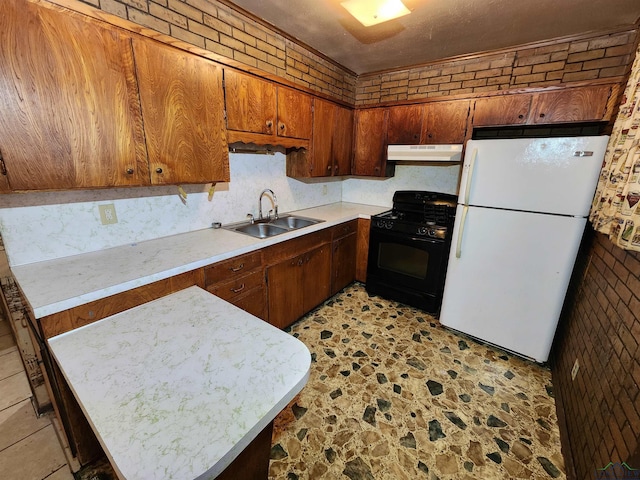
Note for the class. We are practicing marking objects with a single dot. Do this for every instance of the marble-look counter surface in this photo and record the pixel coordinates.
(57, 285)
(178, 387)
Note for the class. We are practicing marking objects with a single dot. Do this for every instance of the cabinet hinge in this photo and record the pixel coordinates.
(3, 167)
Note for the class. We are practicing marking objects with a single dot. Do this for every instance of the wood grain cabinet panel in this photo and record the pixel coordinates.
(362, 250)
(331, 144)
(445, 122)
(405, 124)
(71, 116)
(370, 143)
(183, 111)
(503, 110)
(294, 113)
(250, 103)
(343, 257)
(570, 105)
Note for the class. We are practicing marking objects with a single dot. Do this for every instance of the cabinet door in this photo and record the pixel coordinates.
(504, 110)
(294, 113)
(342, 140)
(183, 113)
(370, 155)
(316, 278)
(70, 111)
(285, 291)
(323, 126)
(343, 262)
(572, 105)
(445, 122)
(250, 103)
(404, 125)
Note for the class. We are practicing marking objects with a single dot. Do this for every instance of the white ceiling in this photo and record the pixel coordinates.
(437, 29)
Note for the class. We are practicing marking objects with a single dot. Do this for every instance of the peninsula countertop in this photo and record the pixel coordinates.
(179, 386)
(57, 285)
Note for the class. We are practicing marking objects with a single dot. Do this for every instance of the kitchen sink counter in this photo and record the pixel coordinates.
(178, 387)
(57, 285)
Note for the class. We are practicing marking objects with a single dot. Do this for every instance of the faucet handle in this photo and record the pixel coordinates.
(250, 217)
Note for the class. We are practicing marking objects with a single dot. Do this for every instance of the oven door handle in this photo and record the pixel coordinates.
(463, 220)
(472, 165)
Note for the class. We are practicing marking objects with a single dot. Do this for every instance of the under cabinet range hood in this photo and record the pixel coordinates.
(424, 153)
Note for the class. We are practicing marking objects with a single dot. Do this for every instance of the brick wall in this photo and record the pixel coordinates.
(601, 56)
(219, 29)
(601, 407)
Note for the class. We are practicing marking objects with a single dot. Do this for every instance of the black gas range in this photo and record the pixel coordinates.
(409, 248)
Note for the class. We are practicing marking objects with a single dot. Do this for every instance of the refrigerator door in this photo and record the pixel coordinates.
(551, 175)
(508, 285)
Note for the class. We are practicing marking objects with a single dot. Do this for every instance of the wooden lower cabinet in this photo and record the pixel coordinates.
(343, 259)
(362, 251)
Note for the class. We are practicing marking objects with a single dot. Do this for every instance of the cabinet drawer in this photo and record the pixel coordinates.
(238, 286)
(234, 267)
(253, 302)
(344, 229)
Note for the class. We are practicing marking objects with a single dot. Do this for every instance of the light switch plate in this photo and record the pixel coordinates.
(108, 214)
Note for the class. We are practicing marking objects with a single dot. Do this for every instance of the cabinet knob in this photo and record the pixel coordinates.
(329, 168)
(415, 136)
(521, 116)
(158, 170)
(300, 261)
(542, 115)
(335, 169)
(130, 171)
(430, 135)
(282, 126)
(269, 124)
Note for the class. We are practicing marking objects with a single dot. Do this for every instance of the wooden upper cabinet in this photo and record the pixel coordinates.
(294, 113)
(445, 122)
(342, 140)
(70, 111)
(250, 102)
(370, 143)
(183, 111)
(502, 110)
(322, 144)
(262, 112)
(571, 105)
(405, 124)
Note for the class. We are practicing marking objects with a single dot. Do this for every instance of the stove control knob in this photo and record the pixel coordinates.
(432, 233)
(389, 225)
(422, 230)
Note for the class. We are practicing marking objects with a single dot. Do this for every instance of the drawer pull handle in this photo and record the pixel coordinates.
(238, 268)
(239, 289)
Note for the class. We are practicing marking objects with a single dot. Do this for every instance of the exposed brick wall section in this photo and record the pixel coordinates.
(601, 407)
(598, 57)
(215, 27)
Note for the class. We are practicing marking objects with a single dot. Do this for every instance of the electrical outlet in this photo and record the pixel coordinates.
(108, 214)
(574, 370)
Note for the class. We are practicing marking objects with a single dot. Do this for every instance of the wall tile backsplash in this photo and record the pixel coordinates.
(46, 225)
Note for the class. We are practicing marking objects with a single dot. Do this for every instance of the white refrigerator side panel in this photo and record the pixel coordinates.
(536, 174)
(509, 284)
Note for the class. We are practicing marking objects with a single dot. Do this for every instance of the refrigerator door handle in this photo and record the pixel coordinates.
(463, 219)
(472, 165)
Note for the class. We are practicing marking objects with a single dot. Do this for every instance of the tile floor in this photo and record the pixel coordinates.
(392, 395)
(29, 446)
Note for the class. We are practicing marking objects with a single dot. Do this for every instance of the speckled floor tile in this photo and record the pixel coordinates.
(393, 395)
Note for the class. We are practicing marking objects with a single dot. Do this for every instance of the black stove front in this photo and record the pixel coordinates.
(409, 248)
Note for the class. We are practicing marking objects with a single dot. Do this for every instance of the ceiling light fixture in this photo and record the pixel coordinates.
(372, 12)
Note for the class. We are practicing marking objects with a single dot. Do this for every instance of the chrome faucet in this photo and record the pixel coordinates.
(275, 204)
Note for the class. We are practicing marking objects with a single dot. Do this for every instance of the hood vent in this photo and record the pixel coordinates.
(424, 153)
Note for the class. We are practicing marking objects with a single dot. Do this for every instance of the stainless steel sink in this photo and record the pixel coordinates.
(269, 228)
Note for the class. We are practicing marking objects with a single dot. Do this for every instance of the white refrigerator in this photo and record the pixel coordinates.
(521, 214)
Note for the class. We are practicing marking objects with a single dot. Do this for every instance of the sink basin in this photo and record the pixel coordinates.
(268, 228)
(292, 223)
(261, 230)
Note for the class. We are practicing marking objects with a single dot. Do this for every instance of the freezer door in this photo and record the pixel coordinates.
(508, 285)
(551, 175)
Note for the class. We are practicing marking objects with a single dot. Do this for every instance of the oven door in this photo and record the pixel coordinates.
(407, 268)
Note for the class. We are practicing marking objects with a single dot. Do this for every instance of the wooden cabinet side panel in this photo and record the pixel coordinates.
(405, 124)
(58, 323)
(342, 141)
(70, 111)
(250, 103)
(370, 142)
(503, 110)
(571, 105)
(183, 111)
(316, 279)
(446, 122)
(362, 251)
(294, 113)
(343, 262)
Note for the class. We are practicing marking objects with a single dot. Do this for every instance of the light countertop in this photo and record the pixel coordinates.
(57, 285)
(178, 387)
